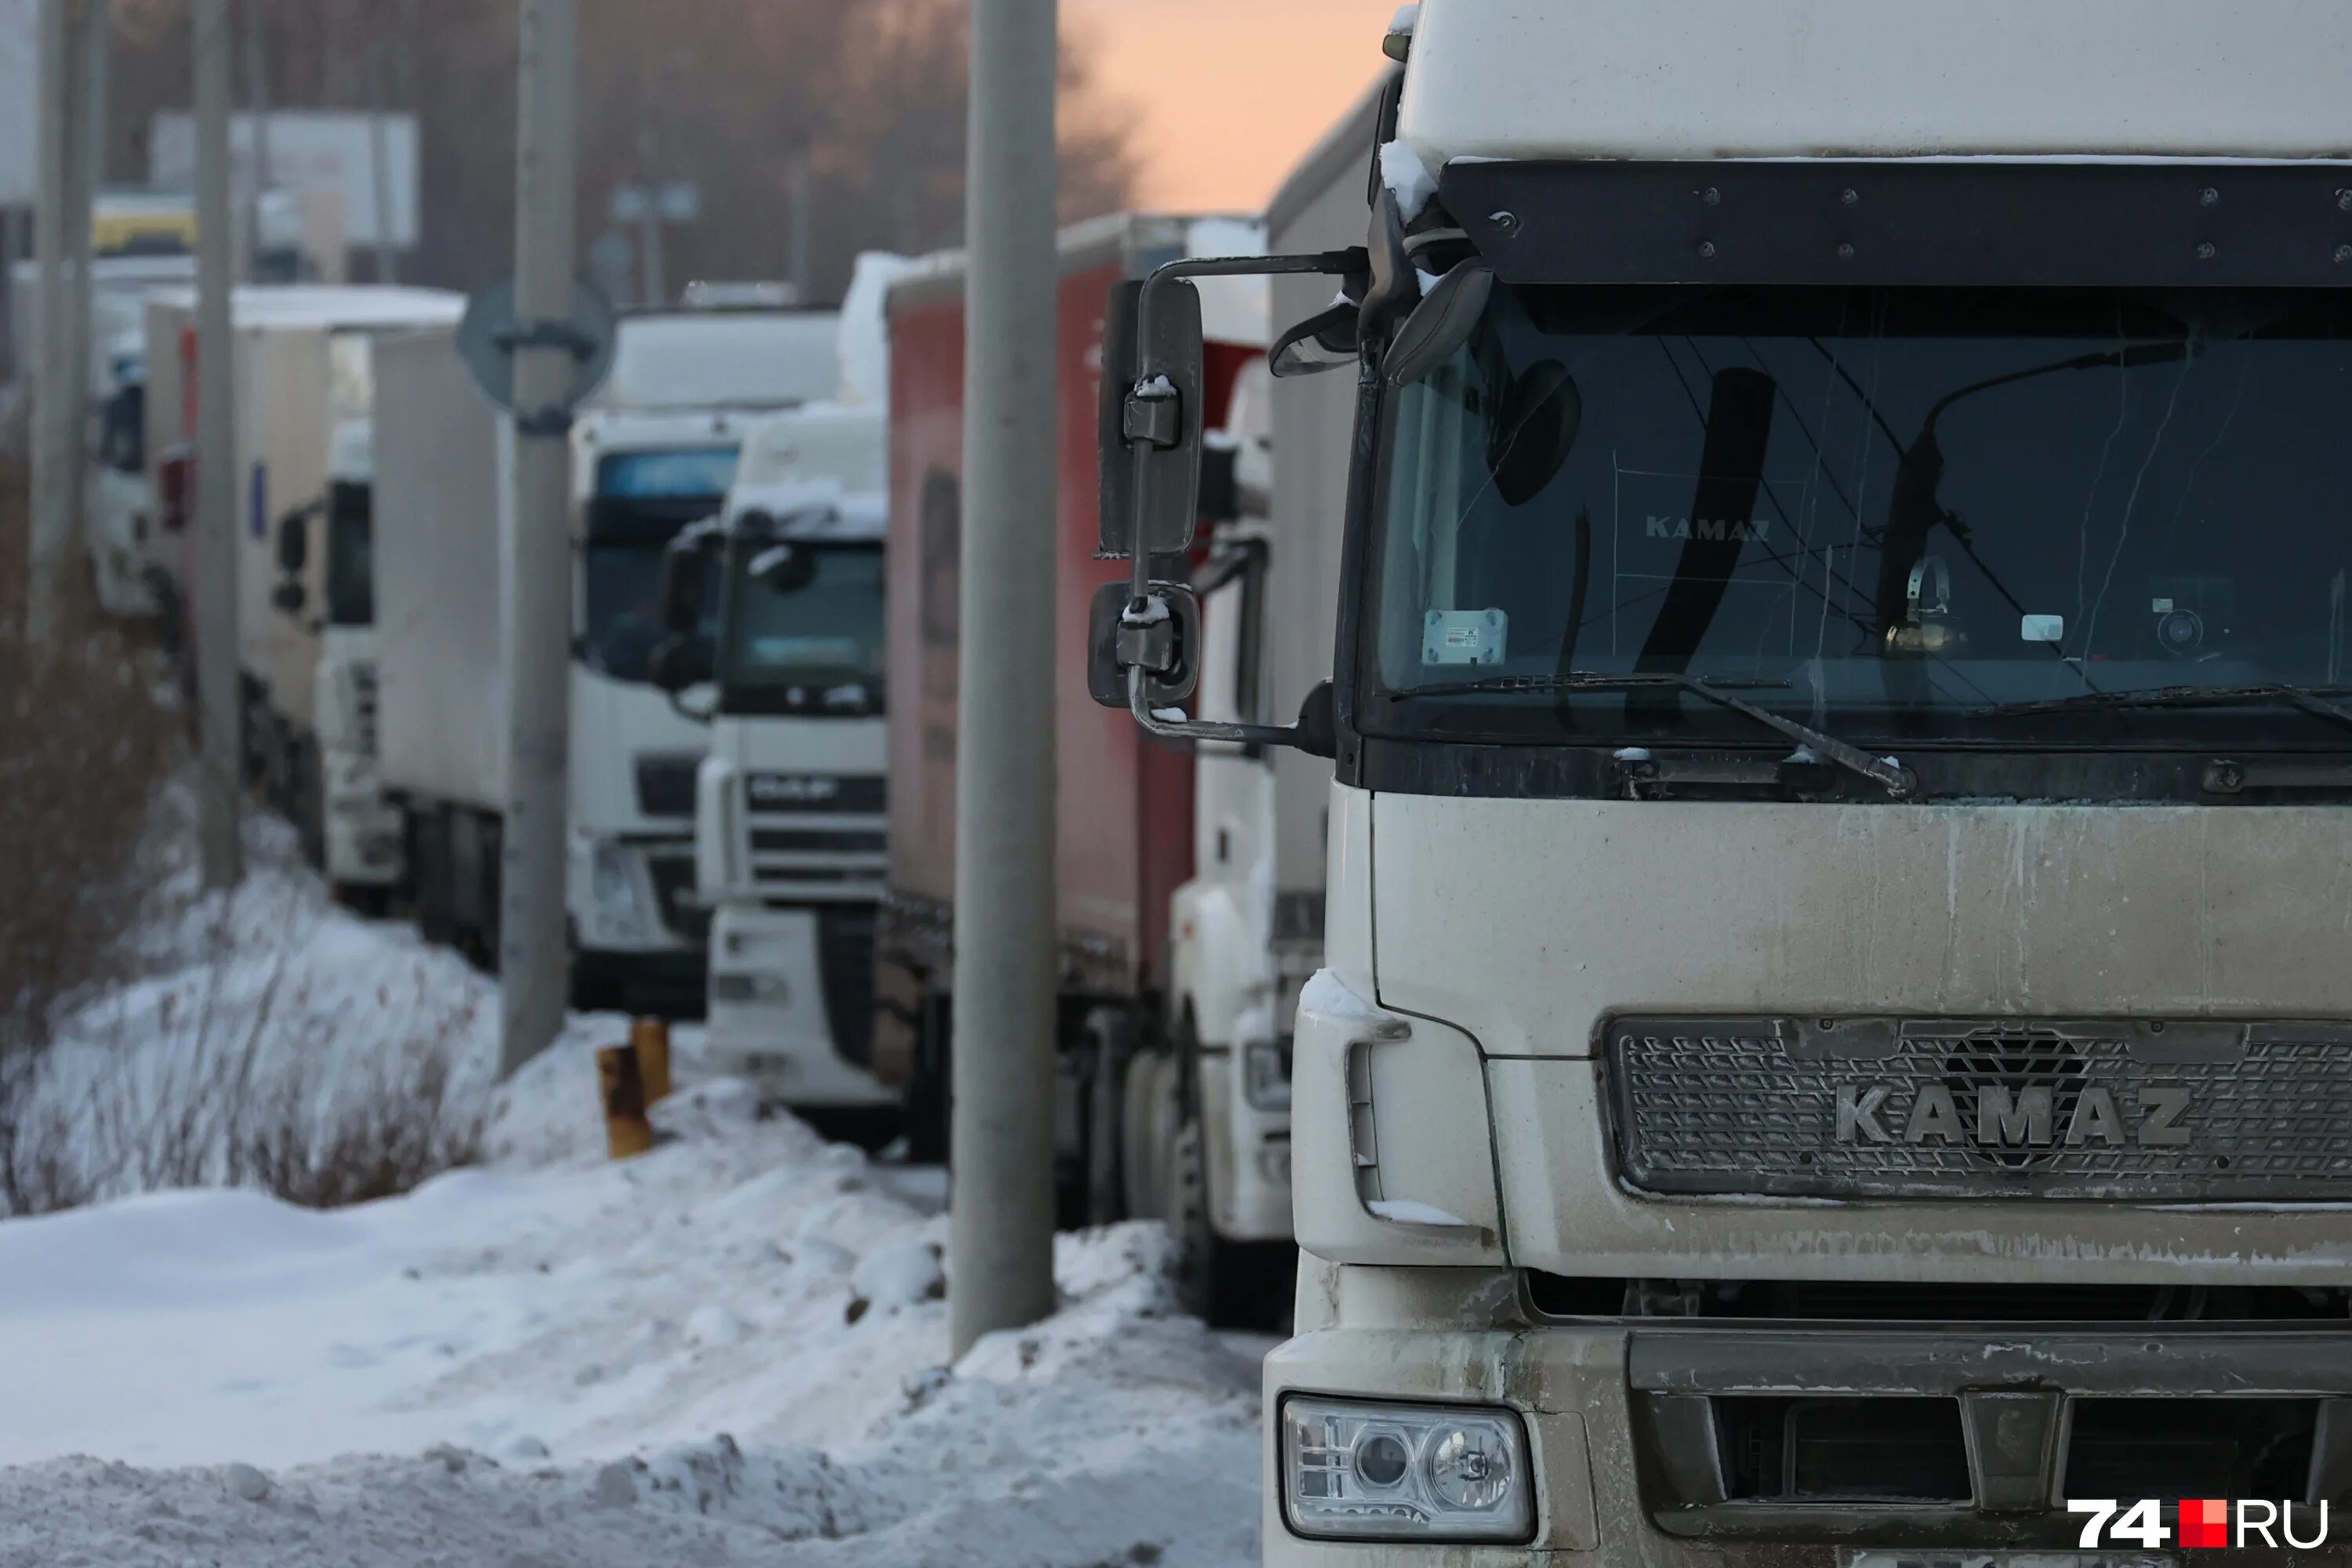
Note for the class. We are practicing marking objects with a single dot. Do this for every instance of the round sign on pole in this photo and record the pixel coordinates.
(489, 336)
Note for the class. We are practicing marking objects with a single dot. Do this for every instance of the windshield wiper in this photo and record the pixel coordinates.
(1893, 776)
(2310, 699)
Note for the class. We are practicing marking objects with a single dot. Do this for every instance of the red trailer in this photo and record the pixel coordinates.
(1125, 814)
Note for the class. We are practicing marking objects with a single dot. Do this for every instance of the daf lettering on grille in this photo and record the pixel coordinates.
(792, 789)
(2027, 1118)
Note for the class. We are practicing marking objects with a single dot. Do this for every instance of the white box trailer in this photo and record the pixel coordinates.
(654, 451)
(303, 375)
(442, 704)
(441, 685)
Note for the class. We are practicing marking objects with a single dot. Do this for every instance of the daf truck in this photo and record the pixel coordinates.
(1155, 1119)
(1834, 1039)
(304, 379)
(654, 452)
(785, 590)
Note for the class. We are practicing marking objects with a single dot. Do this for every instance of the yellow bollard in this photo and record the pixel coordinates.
(626, 1131)
(650, 1038)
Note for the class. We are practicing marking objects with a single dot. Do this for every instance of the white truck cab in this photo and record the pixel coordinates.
(361, 848)
(790, 813)
(657, 452)
(1834, 1043)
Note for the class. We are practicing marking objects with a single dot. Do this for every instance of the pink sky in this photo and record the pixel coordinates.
(1227, 94)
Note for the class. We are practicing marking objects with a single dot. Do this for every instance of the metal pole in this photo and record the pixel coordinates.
(387, 259)
(534, 968)
(1003, 1237)
(53, 401)
(649, 230)
(89, 174)
(799, 196)
(256, 93)
(214, 623)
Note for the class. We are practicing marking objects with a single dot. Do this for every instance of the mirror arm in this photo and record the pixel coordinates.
(1203, 729)
(1328, 262)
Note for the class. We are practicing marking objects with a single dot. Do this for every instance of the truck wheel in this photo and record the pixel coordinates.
(1112, 1051)
(1139, 1155)
(307, 788)
(1201, 1261)
(929, 1093)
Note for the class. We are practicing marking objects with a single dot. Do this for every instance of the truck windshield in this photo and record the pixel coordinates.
(350, 555)
(1896, 514)
(642, 500)
(805, 635)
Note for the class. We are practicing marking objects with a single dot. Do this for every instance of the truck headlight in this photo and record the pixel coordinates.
(613, 884)
(1266, 1074)
(1358, 1470)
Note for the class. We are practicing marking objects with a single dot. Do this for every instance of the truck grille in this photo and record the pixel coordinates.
(364, 706)
(844, 956)
(2140, 1111)
(816, 836)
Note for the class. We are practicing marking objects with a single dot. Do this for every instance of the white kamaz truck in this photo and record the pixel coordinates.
(778, 608)
(1835, 1039)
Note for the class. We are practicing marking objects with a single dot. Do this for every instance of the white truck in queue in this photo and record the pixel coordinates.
(1835, 1039)
(118, 515)
(304, 376)
(654, 451)
(777, 608)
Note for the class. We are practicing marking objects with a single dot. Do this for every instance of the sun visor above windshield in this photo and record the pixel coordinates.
(1901, 222)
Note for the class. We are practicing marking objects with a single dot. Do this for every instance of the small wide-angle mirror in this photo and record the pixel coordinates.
(1162, 637)
(1441, 323)
(293, 542)
(681, 662)
(1536, 423)
(288, 598)
(783, 566)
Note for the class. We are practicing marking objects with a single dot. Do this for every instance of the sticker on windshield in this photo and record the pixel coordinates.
(1464, 637)
(2042, 629)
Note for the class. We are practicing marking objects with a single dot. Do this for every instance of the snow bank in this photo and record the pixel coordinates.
(732, 1347)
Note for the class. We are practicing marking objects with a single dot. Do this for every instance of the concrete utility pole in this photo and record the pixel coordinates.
(387, 254)
(657, 275)
(534, 967)
(1002, 1263)
(88, 165)
(800, 205)
(257, 97)
(53, 410)
(214, 623)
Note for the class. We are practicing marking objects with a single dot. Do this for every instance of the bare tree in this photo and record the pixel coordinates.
(731, 91)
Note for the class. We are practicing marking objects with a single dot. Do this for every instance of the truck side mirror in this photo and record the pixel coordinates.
(288, 597)
(1150, 430)
(1160, 634)
(293, 542)
(1221, 494)
(683, 570)
(681, 662)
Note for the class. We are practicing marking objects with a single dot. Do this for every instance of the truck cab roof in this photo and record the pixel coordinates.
(1877, 79)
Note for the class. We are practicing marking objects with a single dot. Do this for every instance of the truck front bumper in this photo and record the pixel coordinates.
(364, 831)
(770, 1019)
(1632, 1425)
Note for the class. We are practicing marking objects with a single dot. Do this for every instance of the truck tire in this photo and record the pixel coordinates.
(930, 1094)
(1110, 1037)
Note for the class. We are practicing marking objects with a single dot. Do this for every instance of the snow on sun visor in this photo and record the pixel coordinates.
(697, 471)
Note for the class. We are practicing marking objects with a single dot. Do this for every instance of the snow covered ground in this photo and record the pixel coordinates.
(733, 1348)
